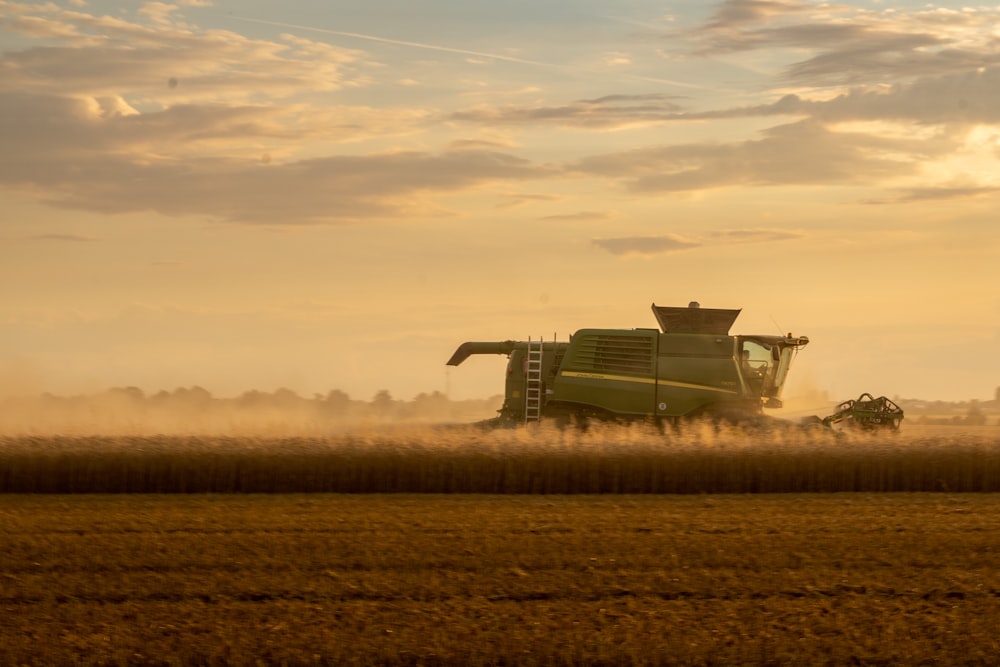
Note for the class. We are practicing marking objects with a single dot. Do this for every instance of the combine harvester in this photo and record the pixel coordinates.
(689, 368)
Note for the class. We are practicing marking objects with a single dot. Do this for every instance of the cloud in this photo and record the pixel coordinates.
(73, 128)
(74, 238)
(158, 12)
(120, 116)
(668, 243)
(733, 14)
(609, 112)
(645, 245)
(106, 56)
(959, 98)
(795, 154)
(582, 216)
(48, 138)
(478, 144)
(521, 199)
(939, 193)
(732, 236)
(617, 59)
(112, 114)
(327, 189)
(42, 28)
(851, 45)
(962, 98)
(863, 56)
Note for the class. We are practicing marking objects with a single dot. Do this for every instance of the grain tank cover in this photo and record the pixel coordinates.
(695, 320)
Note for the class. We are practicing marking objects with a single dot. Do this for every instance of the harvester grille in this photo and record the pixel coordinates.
(602, 353)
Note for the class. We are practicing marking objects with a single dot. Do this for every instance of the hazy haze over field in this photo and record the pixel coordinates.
(322, 195)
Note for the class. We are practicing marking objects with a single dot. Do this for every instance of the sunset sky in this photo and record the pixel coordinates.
(333, 195)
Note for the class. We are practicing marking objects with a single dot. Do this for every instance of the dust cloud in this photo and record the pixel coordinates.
(194, 411)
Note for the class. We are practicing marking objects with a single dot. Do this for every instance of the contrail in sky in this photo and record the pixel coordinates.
(464, 52)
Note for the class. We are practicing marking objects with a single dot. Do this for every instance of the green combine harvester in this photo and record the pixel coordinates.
(691, 366)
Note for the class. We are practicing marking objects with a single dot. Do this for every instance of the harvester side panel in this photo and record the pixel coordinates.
(609, 370)
(695, 371)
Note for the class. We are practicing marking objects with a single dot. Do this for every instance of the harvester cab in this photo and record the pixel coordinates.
(690, 366)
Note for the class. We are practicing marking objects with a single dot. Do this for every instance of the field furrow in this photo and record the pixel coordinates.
(513, 580)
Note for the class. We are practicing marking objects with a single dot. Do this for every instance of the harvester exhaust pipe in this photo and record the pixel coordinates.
(466, 350)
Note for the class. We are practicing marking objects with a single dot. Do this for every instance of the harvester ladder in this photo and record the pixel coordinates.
(533, 381)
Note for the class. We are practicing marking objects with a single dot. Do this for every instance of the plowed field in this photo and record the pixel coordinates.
(500, 580)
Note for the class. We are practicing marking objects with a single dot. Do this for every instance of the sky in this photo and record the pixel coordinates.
(330, 195)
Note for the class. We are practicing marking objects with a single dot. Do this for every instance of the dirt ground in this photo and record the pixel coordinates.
(486, 580)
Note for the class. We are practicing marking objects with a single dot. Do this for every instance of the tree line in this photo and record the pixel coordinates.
(195, 400)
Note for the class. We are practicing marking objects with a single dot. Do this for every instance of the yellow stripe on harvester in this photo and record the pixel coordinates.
(664, 383)
(705, 387)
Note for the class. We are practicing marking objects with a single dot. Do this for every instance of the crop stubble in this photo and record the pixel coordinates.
(488, 580)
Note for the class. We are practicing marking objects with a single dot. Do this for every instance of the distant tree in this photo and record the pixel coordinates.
(383, 402)
(195, 395)
(435, 398)
(131, 393)
(285, 398)
(161, 396)
(975, 416)
(433, 405)
(336, 401)
(251, 397)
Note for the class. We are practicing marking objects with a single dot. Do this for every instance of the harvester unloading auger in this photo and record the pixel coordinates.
(690, 367)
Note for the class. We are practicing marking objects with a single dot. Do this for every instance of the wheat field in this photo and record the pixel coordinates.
(637, 459)
(415, 545)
